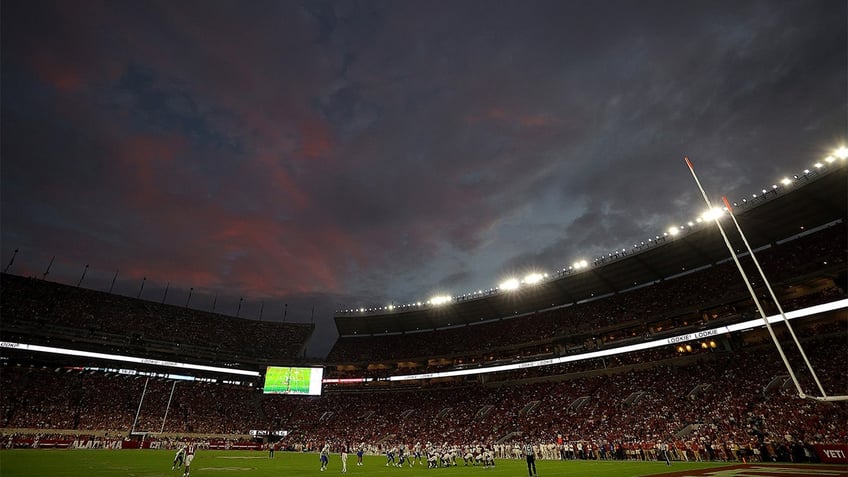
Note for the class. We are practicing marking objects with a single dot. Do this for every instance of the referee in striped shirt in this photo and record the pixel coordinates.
(531, 457)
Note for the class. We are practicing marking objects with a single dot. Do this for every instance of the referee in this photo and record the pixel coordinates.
(531, 458)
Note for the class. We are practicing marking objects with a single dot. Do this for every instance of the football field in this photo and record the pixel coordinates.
(157, 463)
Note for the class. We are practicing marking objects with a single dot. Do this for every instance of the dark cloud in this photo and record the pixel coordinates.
(341, 154)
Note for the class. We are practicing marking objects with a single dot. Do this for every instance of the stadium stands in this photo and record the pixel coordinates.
(717, 398)
(39, 312)
(716, 293)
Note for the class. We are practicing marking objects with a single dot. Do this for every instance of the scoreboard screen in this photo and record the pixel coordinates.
(293, 380)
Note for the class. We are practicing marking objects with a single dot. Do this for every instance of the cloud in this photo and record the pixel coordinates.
(358, 153)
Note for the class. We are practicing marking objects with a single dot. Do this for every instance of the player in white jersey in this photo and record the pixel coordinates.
(468, 456)
(488, 458)
(179, 457)
(325, 457)
(416, 453)
(359, 452)
(432, 458)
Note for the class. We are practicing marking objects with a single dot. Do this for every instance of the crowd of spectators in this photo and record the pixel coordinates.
(690, 300)
(40, 312)
(67, 398)
(718, 404)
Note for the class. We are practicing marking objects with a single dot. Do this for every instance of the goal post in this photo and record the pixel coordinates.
(716, 217)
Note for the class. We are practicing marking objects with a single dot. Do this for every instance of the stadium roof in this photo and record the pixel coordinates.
(817, 198)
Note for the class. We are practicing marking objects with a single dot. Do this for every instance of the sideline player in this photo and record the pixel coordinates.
(359, 452)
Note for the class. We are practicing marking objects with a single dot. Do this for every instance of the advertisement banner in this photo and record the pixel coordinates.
(832, 453)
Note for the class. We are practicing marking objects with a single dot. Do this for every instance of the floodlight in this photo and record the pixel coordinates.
(841, 153)
(533, 278)
(829, 159)
(440, 300)
(673, 231)
(712, 214)
(510, 284)
(818, 165)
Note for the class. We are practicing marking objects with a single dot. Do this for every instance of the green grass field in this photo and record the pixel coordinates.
(157, 463)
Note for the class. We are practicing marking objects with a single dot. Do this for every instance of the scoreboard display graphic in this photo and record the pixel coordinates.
(293, 380)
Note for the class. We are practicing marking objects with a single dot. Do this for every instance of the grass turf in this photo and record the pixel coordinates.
(157, 463)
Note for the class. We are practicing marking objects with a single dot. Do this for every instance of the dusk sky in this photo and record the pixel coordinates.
(330, 155)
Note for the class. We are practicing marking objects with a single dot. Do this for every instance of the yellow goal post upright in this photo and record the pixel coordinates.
(716, 217)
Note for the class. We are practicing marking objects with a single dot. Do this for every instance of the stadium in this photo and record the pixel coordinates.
(652, 352)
